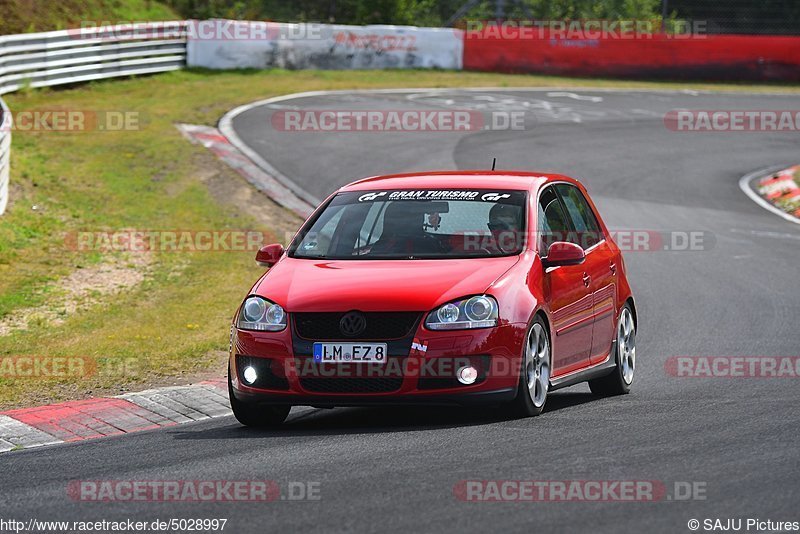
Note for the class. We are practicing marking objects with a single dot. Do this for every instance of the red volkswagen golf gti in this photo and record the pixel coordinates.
(440, 288)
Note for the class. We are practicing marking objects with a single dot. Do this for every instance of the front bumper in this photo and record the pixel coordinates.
(423, 374)
(472, 398)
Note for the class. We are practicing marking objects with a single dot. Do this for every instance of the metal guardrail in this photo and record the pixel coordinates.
(73, 56)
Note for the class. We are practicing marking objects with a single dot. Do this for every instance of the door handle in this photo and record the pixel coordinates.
(586, 279)
(613, 268)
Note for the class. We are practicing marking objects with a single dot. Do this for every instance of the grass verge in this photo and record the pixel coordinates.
(25, 16)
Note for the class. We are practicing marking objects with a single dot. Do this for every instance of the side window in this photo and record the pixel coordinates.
(583, 220)
(552, 220)
(318, 243)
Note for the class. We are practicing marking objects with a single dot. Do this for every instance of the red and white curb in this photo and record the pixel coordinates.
(767, 186)
(96, 418)
(212, 139)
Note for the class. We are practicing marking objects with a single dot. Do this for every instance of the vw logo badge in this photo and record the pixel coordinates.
(353, 324)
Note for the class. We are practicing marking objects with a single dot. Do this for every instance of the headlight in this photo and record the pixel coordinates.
(474, 312)
(261, 314)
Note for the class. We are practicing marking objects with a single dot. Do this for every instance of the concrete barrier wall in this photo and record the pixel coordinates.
(709, 57)
(259, 45)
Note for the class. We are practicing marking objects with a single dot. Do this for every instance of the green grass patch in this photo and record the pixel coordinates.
(25, 16)
(176, 322)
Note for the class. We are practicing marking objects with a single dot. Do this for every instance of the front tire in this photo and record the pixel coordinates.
(257, 415)
(534, 380)
(620, 380)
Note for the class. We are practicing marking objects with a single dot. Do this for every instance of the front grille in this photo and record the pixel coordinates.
(351, 385)
(380, 325)
(351, 377)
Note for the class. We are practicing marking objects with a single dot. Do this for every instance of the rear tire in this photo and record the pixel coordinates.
(620, 380)
(257, 415)
(534, 379)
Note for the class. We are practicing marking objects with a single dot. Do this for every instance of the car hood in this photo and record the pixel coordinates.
(377, 285)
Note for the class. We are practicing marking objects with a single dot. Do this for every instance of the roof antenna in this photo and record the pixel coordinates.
(494, 162)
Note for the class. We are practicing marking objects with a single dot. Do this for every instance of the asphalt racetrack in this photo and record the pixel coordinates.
(395, 470)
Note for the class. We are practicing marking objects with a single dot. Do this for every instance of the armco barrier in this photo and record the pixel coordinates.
(720, 57)
(261, 45)
(71, 56)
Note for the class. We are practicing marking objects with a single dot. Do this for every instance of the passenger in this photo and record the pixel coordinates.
(505, 224)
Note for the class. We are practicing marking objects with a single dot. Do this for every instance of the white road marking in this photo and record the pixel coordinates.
(281, 106)
(575, 96)
(767, 233)
(647, 112)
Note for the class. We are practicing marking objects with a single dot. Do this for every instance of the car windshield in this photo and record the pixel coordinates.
(415, 223)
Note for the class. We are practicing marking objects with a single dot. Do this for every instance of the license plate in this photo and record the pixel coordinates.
(350, 352)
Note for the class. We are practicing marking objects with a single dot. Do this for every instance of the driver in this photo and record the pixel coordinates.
(404, 231)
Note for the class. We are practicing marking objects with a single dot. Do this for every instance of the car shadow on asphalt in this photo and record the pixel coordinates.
(343, 421)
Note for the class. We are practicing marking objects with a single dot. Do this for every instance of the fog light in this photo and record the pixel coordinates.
(250, 375)
(467, 375)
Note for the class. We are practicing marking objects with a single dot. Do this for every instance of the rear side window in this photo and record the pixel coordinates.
(584, 222)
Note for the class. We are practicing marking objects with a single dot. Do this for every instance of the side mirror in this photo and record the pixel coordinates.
(563, 253)
(269, 255)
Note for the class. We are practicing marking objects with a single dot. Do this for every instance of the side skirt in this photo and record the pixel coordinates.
(597, 370)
